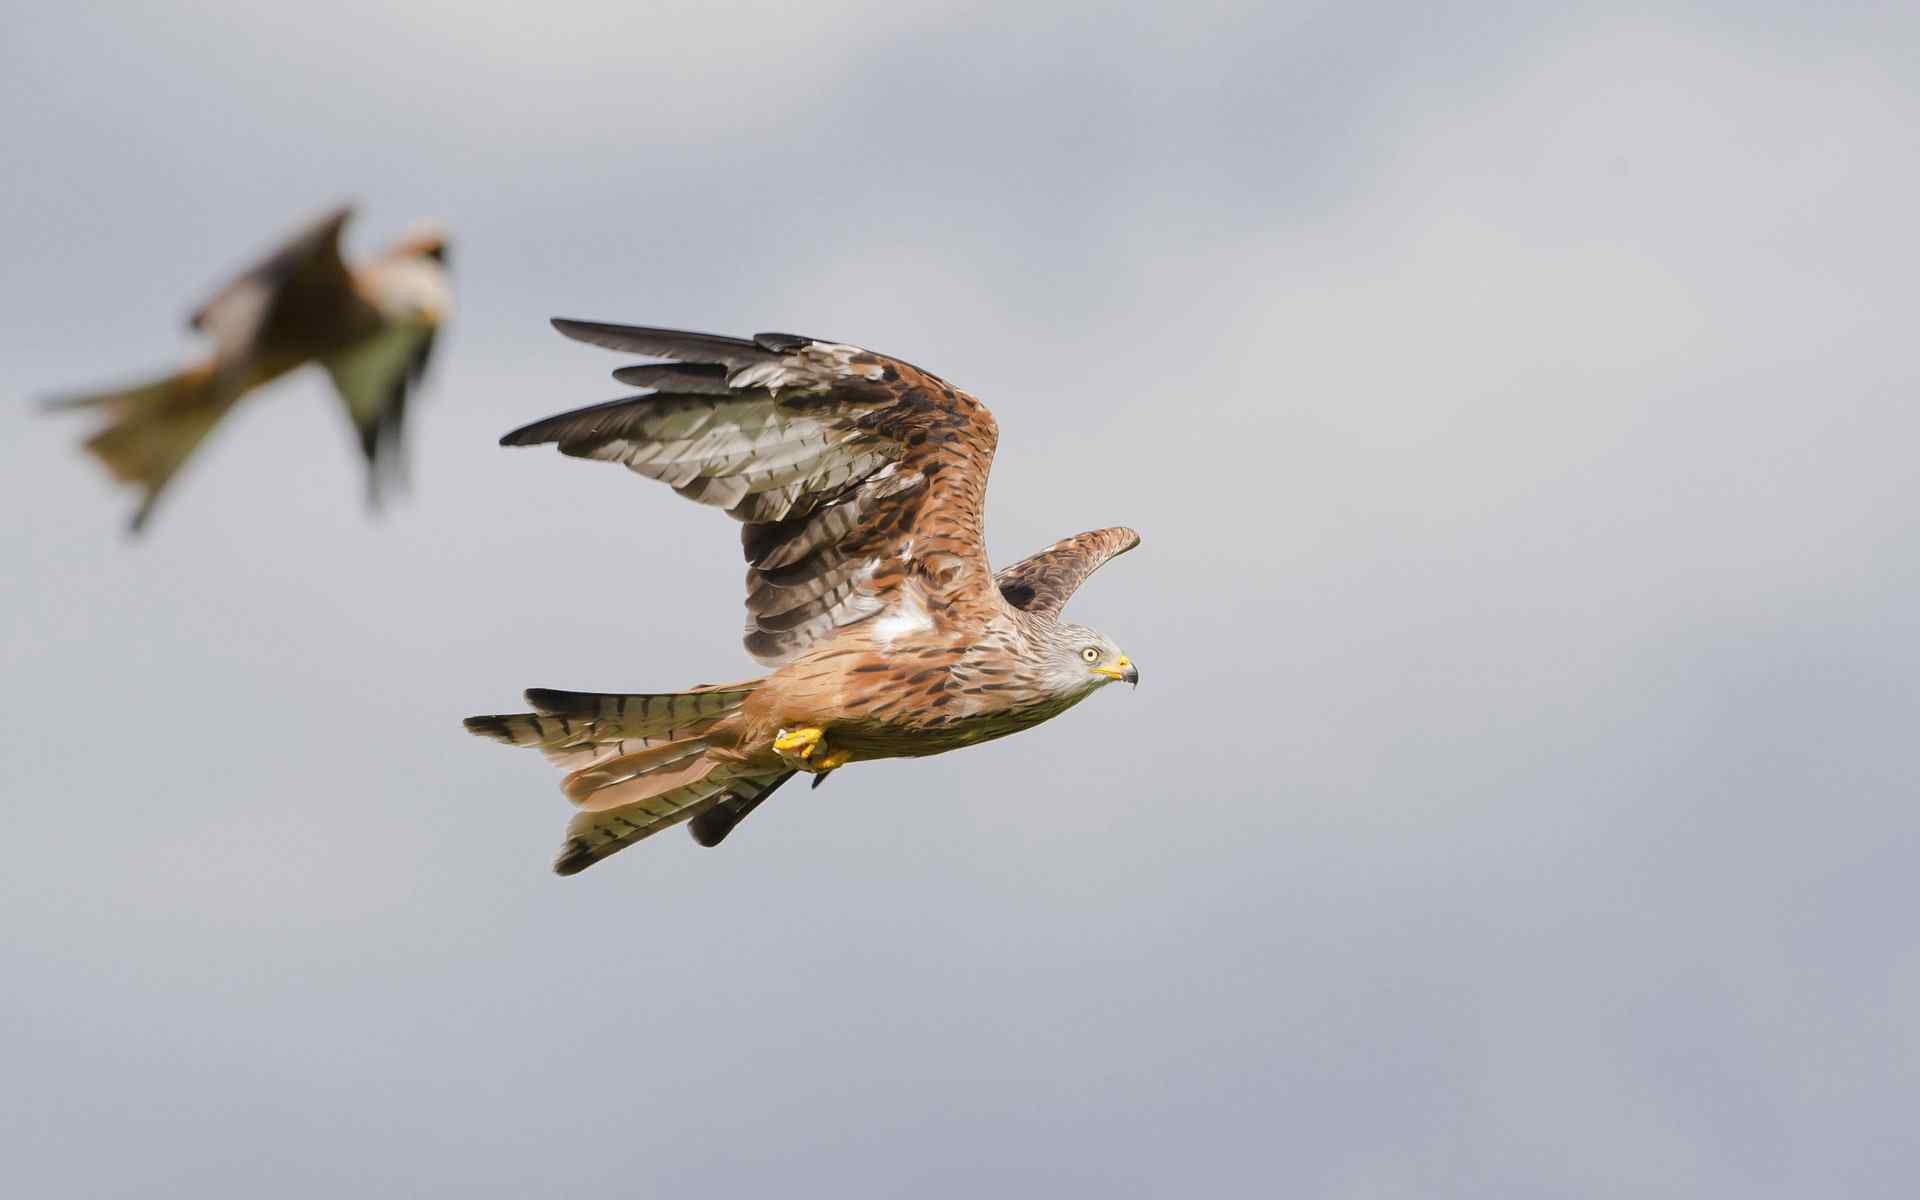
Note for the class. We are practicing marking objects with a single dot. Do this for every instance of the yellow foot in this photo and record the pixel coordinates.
(806, 749)
(798, 743)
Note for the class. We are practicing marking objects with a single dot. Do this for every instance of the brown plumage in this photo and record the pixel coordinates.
(372, 326)
(860, 481)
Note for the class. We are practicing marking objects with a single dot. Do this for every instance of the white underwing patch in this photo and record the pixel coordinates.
(908, 615)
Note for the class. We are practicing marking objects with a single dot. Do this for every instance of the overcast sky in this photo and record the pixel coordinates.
(1520, 414)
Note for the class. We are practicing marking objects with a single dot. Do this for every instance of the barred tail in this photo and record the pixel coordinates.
(576, 728)
(638, 763)
(153, 428)
(595, 832)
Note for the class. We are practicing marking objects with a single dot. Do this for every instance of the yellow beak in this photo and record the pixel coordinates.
(1122, 669)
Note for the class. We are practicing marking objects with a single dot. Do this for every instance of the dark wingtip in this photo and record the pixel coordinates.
(494, 727)
(593, 333)
(574, 858)
(549, 430)
(137, 523)
(527, 435)
(556, 702)
(781, 343)
(710, 830)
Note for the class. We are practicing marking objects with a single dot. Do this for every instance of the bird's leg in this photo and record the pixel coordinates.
(798, 746)
(806, 749)
(798, 743)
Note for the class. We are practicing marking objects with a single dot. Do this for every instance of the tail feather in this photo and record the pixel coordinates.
(592, 836)
(575, 729)
(641, 715)
(139, 394)
(152, 428)
(635, 796)
(714, 805)
(717, 820)
(613, 782)
(640, 764)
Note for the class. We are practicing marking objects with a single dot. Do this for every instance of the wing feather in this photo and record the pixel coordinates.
(697, 379)
(374, 376)
(1043, 583)
(299, 296)
(852, 473)
(676, 344)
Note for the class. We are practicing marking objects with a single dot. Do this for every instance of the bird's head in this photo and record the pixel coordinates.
(409, 282)
(1082, 659)
(426, 240)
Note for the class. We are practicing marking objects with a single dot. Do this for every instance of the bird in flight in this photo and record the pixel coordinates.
(859, 481)
(372, 326)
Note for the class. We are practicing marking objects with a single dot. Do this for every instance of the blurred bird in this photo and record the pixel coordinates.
(859, 480)
(371, 326)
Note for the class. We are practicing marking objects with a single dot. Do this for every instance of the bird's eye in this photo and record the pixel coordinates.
(1091, 654)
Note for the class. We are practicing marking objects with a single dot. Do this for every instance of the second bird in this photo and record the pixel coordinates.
(371, 326)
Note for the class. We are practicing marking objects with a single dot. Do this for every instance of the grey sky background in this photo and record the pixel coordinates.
(1520, 798)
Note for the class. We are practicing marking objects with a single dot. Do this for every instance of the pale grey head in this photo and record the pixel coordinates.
(409, 282)
(1076, 659)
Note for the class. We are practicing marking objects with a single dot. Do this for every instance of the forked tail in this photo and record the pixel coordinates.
(638, 764)
(153, 428)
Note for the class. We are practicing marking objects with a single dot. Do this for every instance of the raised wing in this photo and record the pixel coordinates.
(859, 478)
(1041, 585)
(297, 299)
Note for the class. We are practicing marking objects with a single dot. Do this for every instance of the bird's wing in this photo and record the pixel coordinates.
(373, 377)
(859, 478)
(301, 294)
(1042, 584)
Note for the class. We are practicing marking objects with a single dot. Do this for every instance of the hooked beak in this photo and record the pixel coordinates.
(1122, 669)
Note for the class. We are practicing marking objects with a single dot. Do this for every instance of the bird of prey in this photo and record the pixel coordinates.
(372, 327)
(859, 480)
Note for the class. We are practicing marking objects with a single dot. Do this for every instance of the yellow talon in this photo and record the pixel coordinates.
(800, 742)
(807, 749)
